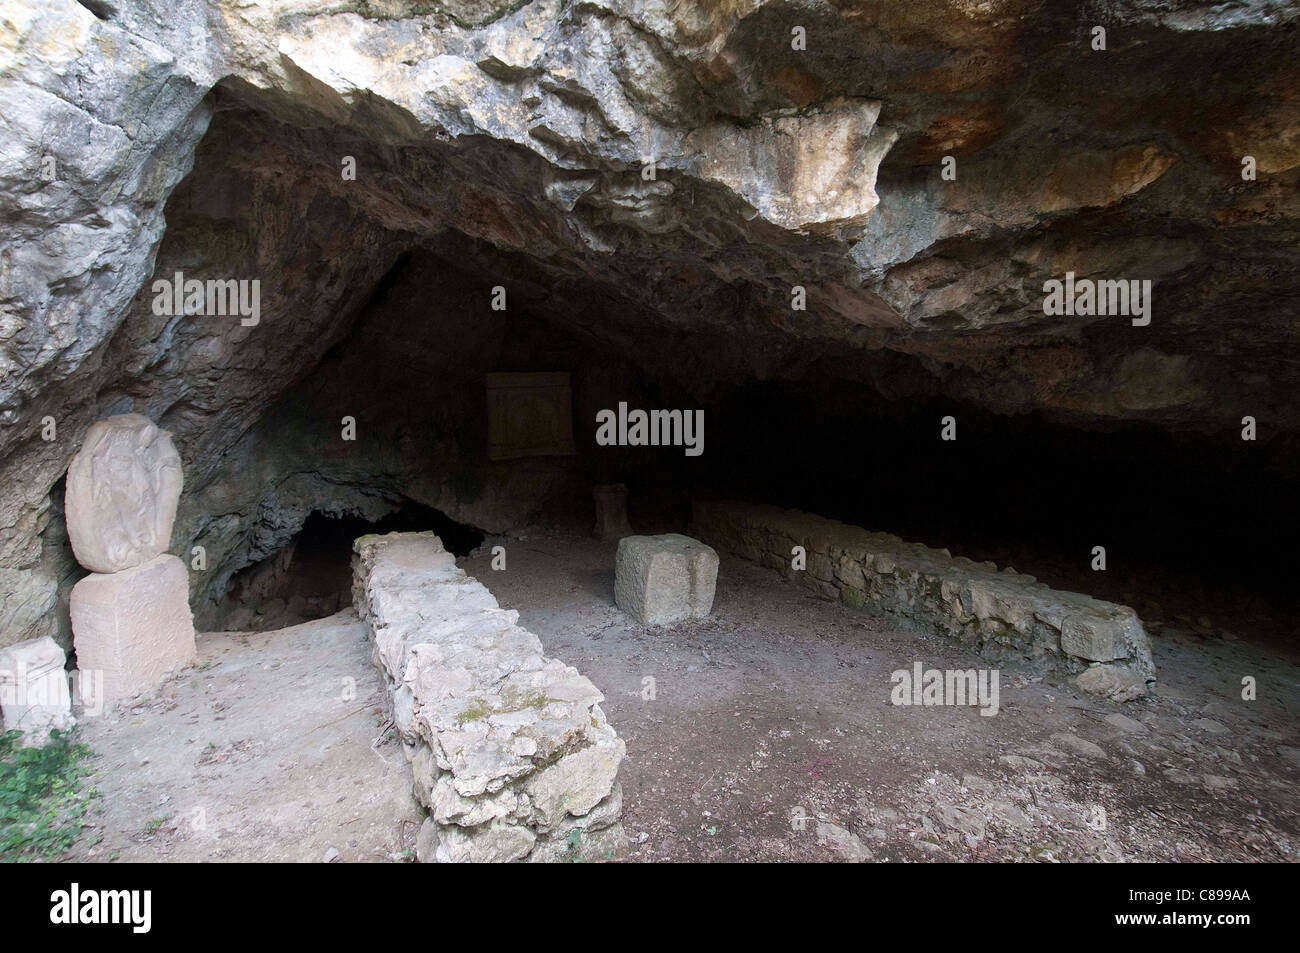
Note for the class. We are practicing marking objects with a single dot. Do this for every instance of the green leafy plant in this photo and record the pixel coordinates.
(42, 797)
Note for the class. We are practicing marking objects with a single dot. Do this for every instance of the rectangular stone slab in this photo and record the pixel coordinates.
(659, 580)
(134, 626)
(529, 415)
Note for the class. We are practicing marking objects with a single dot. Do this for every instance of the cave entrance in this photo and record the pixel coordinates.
(1188, 523)
(310, 577)
(843, 429)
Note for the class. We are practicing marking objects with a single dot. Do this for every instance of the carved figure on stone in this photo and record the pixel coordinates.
(123, 488)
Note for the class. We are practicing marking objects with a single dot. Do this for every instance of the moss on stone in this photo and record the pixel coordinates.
(476, 710)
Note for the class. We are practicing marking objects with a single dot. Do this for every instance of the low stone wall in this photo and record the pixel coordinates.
(513, 757)
(1001, 614)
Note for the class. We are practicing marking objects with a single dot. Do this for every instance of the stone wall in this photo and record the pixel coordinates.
(1003, 615)
(512, 755)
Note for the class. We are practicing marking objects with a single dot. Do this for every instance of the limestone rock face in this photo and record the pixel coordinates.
(123, 487)
(659, 580)
(27, 600)
(814, 171)
(134, 626)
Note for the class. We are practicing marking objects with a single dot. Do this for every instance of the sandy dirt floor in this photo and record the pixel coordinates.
(766, 733)
(264, 751)
(777, 708)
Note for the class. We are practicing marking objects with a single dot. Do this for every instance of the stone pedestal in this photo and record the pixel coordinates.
(34, 696)
(659, 580)
(611, 511)
(134, 626)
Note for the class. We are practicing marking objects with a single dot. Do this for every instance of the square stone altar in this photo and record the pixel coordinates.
(659, 580)
(134, 626)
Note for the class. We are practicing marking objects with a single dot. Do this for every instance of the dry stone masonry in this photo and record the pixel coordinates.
(512, 755)
(1002, 614)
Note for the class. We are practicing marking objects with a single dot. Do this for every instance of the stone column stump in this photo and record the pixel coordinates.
(134, 626)
(611, 511)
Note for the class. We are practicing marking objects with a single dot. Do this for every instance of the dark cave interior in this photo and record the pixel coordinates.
(1191, 524)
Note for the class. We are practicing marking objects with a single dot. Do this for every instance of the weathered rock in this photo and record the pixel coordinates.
(488, 844)
(1077, 745)
(133, 626)
(573, 785)
(34, 695)
(509, 745)
(659, 580)
(580, 844)
(123, 487)
(1125, 723)
(843, 842)
(812, 171)
(1113, 682)
(27, 597)
(1101, 636)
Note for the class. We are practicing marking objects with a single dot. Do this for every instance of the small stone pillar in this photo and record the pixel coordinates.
(611, 510)
(131, 618)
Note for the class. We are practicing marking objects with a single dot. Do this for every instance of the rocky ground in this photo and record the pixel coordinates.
(768, 735)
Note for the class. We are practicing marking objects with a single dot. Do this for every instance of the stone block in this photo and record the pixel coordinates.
(1089, 636)
(34, 696)
(659, 580)
(123, 487)
(494, 843)
(1104, 633)
(575, 784)
(134, 626)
